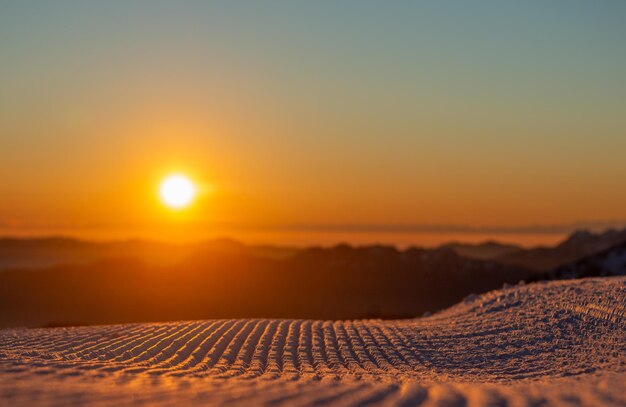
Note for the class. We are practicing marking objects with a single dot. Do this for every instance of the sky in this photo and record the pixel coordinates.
(313, 121)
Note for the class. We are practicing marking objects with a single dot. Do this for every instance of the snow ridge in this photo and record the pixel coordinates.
(533, 342)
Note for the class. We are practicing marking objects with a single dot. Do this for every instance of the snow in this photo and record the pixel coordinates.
(557, 343)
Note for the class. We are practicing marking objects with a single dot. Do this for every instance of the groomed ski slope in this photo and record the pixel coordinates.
(557, 343)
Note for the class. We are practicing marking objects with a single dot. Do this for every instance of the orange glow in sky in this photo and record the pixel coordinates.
(452, 122)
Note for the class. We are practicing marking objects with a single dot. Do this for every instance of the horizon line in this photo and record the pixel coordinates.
(8, 227)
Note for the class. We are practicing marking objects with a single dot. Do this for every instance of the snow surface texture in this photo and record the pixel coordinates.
(557, 343)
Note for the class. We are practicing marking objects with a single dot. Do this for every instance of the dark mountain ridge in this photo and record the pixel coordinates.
(608, 263)
(341, 282)
(149, 281)
(577, 246)
(487, 250)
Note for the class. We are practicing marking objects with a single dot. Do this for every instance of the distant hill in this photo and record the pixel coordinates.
(57, 281)
(577, 246)
(483, 251)
(342, 282)
(611, 262)
(35, 253)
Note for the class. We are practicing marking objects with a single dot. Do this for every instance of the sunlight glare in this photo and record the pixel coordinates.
(177, 191)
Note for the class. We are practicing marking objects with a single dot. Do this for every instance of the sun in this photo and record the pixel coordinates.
(177, 191)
